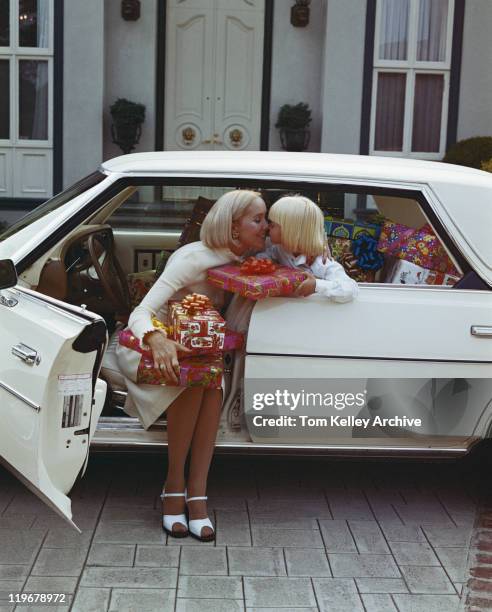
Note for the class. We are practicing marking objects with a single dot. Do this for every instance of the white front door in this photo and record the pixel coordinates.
(214, 69)
(50, 398)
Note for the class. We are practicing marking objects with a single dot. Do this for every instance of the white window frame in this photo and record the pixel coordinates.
(14, 148)
(411, 67)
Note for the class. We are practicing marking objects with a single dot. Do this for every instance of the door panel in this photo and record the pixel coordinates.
(189, 78)
(408, 351)
(46, 402)
(240, 53)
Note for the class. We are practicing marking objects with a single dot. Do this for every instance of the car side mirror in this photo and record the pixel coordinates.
(8, 274)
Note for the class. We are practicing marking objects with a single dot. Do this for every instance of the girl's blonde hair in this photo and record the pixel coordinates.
(216, 230)
(302, 224)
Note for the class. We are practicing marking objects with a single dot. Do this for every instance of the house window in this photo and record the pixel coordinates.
(412, 60)
(26, 82)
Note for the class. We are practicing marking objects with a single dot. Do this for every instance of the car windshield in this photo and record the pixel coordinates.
(54, 203)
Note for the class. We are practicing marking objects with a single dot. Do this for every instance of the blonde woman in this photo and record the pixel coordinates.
(236, 224)
(297, 240)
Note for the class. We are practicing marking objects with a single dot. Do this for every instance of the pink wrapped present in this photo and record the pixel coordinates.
(232, 341)
(282, 282)
(421, 247)
(197, 371)
(200, 329)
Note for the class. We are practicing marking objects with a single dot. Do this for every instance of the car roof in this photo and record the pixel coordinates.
(290, 164)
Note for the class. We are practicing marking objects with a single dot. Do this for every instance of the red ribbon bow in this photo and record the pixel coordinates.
(252, 265)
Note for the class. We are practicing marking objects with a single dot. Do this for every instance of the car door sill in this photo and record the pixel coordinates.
(116, 434)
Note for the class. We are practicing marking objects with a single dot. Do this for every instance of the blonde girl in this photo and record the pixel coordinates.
(297, 240)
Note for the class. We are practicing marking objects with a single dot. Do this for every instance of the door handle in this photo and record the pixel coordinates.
(483, 331)
(208, 141)
(26, 353)
(218, 142)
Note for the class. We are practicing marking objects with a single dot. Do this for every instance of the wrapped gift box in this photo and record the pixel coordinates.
(139, 284)
(202, 331)
(421, 247)
(282, 282)
(232, 341)
(197, 371)
(341, 251)
(407, 273)
(349, 229)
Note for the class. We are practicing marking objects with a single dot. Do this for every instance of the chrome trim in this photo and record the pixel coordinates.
(109, 427)
(484, 331)
(18, 395)
(8, 302)
(26, 353)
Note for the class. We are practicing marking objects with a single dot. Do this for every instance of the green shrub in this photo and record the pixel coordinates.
(294, 117)
(125, 111)
(487, 165)
(470, 152)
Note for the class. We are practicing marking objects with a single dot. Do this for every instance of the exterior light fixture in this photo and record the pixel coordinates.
(130, 10)
(299, 14)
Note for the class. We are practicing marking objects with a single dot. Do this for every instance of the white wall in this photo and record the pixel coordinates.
(130, 59)
(297, 55)
(341, 82)
(475, 103)
(83, 84)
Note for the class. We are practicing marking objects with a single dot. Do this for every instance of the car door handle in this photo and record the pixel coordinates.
(484, 331)
(26, 353)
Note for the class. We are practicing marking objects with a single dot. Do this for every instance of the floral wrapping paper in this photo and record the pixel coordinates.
(421, 247)
(197, 371)
(349, 229)
(283, 282)
(139, 284)
(202, 332)
(407, 273)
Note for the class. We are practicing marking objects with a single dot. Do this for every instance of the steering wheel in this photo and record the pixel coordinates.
(108, 270)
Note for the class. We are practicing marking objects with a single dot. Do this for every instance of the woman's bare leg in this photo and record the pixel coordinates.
(202, 448)
(182, 417)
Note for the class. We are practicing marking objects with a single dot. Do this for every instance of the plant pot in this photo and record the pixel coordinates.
(294, 139)
(126, 134)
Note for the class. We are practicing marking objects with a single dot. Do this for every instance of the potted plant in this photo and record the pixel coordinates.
(292, 122)
(127, 123)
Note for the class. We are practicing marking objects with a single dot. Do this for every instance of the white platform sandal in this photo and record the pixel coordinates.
(196, 525)
(169, 520)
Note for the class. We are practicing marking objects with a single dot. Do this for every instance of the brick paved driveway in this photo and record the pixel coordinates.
(292, 535)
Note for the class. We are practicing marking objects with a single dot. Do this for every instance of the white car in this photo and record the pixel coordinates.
(419, 355)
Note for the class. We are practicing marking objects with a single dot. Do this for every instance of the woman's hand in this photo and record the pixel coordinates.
(165, 354)
(307, 287)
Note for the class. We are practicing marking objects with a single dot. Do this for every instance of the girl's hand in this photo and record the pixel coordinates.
(307, 287)
(165, 354)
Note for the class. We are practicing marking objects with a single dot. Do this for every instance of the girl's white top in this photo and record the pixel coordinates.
(331, 279)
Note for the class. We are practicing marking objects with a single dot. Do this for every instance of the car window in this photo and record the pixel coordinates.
(378, 235)
(54, 203)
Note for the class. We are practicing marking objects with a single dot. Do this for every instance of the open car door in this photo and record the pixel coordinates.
(50, 396)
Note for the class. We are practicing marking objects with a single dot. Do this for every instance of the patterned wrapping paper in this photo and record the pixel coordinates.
(283, 282)
(421, 247)
(197, 371)
(139, 284)
(341, 251)
(202, 332)
(232, 341)
(349, 229)
(407, 273)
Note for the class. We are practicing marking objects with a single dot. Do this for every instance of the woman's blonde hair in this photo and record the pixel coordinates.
(302, 224)
(216, 230)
